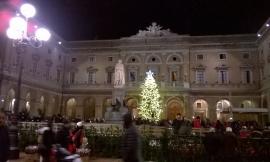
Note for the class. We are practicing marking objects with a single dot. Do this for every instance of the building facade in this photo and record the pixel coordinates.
(217, 77)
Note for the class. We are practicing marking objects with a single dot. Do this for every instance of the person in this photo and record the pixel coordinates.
(119, 79)
(197, 122)
(78, 134)
(64, 136)
(230, 144)
(4, 139)
(177, 123)
(219, 127)
(131, 144)
(46, 140)
(212, 143)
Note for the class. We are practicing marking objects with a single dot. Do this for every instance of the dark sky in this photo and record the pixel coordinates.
(112, 19)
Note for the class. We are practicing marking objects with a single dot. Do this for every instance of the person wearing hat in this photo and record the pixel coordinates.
(212, 142)
(230, 144)
(78, 134)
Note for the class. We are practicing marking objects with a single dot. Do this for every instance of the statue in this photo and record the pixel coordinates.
(119, 75)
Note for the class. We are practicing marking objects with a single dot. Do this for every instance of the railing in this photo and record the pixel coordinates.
(228, 85)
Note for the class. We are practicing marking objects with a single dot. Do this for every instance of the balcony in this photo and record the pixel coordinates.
(199, 86)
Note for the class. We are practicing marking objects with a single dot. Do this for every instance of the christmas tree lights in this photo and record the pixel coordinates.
(150, 105)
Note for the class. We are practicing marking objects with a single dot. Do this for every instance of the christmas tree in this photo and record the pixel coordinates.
(150, 105)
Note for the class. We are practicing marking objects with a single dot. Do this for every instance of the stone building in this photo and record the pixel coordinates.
(218, 77)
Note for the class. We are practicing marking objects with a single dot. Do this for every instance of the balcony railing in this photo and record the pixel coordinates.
(227, 85)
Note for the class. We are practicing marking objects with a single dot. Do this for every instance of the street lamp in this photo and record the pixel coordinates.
(18, 32)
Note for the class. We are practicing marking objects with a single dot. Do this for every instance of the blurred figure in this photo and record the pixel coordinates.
(177, 123)
(131, 144)
(212, 143)
(46, 140)
(78, 134)
(197, 122)
(64, 137)
(219, 127)
(230, 144)
(4, 138)
(244, 132)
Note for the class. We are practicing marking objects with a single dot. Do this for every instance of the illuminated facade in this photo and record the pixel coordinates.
(216, 77)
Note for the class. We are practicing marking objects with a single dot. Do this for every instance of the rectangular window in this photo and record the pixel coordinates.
(47, 74)
(73, 59)
(246, 56)
(72, 77)
(200, 77)
(110, 59)
(199, 105)
(200, 57)
(223, 77)
(59, 57)
(91, 78)
(92, 59)
(247, 77)
(109, 77)
(132, 76)
(35, 67)
(58, 76)
(222, 56)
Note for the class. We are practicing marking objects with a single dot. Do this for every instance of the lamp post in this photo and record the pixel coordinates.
(18, 32)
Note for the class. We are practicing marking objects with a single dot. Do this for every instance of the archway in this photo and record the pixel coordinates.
(248, 104)
(132, 105)
(224, 110)
(200, 108)
(41, 109)
(89, 109)
(174, 106)
(71, 108)
(10, 100)
(107, 103)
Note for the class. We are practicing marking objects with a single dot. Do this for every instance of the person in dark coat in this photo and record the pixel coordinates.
(177, 123)
(230, 143)
(47, 140)
(4, 139)
(131, 144)
(63, 136)
(212, 143)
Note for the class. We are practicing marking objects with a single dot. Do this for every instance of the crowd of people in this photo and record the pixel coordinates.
(68, 141)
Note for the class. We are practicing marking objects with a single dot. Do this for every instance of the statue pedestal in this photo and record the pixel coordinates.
(116, 115)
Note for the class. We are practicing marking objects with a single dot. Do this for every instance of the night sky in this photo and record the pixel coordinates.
(113, 19)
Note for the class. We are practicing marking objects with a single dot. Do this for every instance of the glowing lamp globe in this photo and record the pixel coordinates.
(28, 10)
(14, 34)
(43, 34)
(18, 23)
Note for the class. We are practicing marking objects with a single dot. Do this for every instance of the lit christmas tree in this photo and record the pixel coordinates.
(150, 105)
